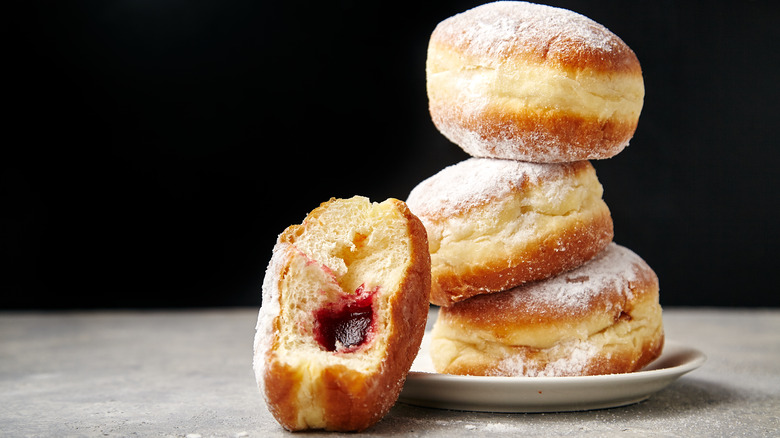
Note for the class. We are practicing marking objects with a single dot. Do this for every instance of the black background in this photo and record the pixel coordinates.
(155, 149)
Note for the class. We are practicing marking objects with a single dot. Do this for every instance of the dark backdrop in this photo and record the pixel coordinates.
(155, 149)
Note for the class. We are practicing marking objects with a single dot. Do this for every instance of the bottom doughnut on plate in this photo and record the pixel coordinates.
(426, 388)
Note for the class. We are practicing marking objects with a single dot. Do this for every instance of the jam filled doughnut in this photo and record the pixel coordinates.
(601, 318)
(530, 82)
(495, 224)
(345, 302)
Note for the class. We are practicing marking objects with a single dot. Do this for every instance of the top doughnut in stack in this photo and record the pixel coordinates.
(532, 93)
(529, 82)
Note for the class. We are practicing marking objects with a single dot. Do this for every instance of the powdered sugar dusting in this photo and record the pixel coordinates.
(578, 355)
(517, 67)
(610, 275)
(460, 123)
(269, 310)
(501, 28)
(476, 181)
(611, 271)
(511, 143)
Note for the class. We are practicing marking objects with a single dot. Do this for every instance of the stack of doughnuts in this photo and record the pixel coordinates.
(524, 269)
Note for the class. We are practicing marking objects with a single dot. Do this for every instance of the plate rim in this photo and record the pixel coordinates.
(655, 379)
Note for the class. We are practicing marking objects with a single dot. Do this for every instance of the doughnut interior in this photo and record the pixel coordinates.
(343, 314)
(601, 318)
(531, 82)
(495, 224)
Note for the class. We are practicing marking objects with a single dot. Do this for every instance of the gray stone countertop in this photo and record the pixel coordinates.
(189, 374)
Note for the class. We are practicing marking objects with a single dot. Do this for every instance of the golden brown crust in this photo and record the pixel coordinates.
(547, 137)
(341, 396)
(509, 312)
(349, 400)
(511, 223)
(556, 253)
(601, 318)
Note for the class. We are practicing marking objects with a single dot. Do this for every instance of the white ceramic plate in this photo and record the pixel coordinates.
(424, 387)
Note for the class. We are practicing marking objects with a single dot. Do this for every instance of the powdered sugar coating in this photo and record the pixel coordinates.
(531, 82)
(612, 271)
(599, 318)
(508, 28)
(578, 355)
(603, 288)
(478, 181)
(269, 310)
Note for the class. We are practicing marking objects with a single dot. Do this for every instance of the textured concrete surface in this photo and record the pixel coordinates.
(189, 374)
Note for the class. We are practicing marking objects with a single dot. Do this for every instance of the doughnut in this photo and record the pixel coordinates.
(494, 224)
(531, 82)
(344, 308)
(601, 318)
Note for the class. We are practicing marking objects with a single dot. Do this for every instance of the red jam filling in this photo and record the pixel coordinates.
(345, 326)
